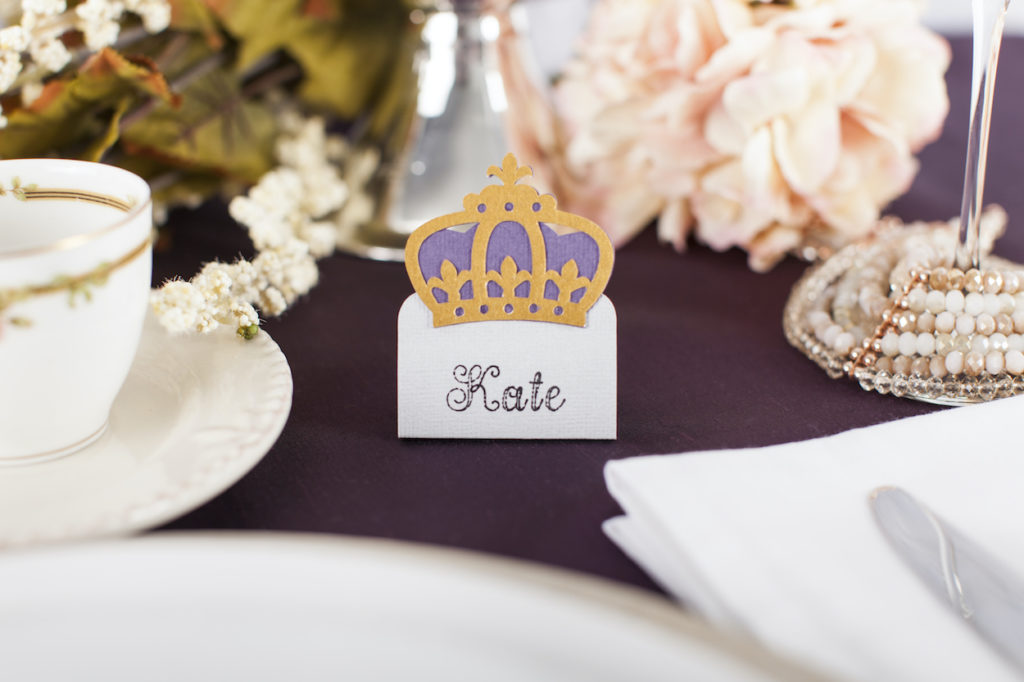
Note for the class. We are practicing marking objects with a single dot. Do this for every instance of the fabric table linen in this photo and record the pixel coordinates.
(780, 542)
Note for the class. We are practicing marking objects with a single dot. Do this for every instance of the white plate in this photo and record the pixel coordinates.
(196, 413)
(219, 606)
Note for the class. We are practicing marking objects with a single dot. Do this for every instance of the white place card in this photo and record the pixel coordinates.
(509, 334)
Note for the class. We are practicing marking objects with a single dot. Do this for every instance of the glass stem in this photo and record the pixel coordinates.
(989, 19)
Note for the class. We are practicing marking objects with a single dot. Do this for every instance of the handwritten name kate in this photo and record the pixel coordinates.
(472, 383)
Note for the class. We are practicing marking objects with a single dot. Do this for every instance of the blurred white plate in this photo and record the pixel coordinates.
(220, 606)
(196, 414)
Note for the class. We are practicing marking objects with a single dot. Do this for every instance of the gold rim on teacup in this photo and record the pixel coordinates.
(130, 210)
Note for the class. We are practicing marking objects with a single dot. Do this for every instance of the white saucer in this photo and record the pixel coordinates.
(256, 606)
(196, 414)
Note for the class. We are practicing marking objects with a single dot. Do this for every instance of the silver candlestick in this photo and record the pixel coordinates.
(456, 130)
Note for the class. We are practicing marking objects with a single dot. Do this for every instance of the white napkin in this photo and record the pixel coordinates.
(780, 542)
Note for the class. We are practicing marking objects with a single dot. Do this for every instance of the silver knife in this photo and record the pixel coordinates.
(981, 590)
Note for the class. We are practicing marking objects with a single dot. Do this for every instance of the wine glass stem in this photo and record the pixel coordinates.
(989, 19)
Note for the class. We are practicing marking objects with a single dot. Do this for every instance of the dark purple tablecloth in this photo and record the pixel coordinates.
(702, 365)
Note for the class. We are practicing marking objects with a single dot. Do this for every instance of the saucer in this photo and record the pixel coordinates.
(195, 414)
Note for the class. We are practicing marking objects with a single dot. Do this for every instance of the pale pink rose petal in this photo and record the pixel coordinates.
(807, 146)
(736, 57)
(674, 223)
(908, 93)
(723, 132)
(756, 99)
(771, 246)
(733, 17)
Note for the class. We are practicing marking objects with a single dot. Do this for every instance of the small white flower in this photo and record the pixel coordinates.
(10, 67)
(177, 305)
(30, 92)
(291, 217)
(13, 38)
(155, 14)
(44, 7)
(50, 54)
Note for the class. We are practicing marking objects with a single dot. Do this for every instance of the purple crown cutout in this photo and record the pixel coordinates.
(502, 259)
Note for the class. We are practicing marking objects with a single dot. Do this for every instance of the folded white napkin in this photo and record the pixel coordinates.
(780, 541)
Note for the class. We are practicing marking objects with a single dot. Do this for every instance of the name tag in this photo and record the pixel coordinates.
(506, 379)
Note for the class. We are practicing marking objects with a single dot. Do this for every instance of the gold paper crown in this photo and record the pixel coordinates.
(513, 291)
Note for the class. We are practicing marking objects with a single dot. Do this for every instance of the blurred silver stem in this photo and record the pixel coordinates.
(989, 20)
(457, 131)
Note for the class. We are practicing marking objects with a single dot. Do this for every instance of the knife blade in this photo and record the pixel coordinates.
(974, 584)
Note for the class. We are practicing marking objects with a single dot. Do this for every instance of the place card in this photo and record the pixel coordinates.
(509, 334)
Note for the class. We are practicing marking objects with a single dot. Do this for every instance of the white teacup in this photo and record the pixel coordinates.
(75, 264)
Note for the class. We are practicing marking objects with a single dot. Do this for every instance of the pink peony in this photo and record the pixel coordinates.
(759, 125)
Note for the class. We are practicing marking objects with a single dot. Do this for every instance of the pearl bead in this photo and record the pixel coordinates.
(891, 344)
(974, 364)
(884, 364)
(955, 301)
(920, 367)
(1018, 299)
(992, 281)
(955, 278)
(998, 342)
(937, 365)
(994, 362)
(1011, 282)
(962, 343)
(943, 344)
(925, 344)
(945, 322)
(1015, 342)
(955, 362)
(908, 343)
(844, 343)
(964, 324)
(985, 324)
(935, 302)
(1007, 304)
(926, 322)
(816, 318)
(1004, 323)
(916, 299)
(980, 344)
(1015, 362)
(829, 337)
(1018, 321)
(906, 321)
(993, 306)
(939, 278)
(974, 304)
(972, 280)
(901, 365)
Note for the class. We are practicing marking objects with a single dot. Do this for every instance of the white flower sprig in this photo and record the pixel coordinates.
(43, 22)
(292, 215)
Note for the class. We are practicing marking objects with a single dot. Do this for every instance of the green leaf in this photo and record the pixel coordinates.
(348, 49)
(215, 132)
(98, 147)
(81, 108)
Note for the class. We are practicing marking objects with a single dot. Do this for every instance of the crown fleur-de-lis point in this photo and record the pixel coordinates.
(510, 276)
(510, 172)
(451, 280)
(568, 280)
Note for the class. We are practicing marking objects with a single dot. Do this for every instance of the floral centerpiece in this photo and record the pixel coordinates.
(767, 125)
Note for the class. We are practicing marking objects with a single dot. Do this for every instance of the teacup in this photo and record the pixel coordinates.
(75, 264)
